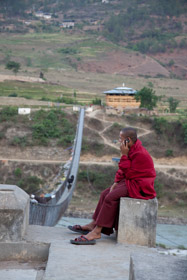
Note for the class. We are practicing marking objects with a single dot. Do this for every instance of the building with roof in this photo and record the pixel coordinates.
(68, 24)
(121, 97)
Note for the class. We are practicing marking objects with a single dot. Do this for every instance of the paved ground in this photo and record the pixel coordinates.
(105, 260)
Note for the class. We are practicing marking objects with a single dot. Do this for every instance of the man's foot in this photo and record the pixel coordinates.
(78, 229)
(94, 234)
(82, 240)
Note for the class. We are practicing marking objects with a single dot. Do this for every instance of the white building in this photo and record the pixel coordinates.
(43, 15)
(68, 24)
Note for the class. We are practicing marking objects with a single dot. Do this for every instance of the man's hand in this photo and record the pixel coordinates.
(124, 148)
(113, 186)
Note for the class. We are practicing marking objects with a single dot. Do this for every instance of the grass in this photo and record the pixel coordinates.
(40, 91)
(40, 52)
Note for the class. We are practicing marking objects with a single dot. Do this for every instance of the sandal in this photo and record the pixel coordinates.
(78, 228)
(82, 240)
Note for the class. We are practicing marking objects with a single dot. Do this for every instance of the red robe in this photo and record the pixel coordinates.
(138, 171)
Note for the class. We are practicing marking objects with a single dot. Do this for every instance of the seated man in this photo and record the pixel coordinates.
(134, 178)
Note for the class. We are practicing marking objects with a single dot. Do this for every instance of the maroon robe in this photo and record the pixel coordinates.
(135, 178)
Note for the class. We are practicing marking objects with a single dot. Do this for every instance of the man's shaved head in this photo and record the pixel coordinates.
(130, 132)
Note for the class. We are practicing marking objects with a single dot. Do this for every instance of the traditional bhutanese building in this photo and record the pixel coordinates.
(121, 97)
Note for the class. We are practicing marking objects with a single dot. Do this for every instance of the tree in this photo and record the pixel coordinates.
(173, 103)
(14, 66)
(147, 98)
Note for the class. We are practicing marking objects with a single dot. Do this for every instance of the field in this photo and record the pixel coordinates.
(83, 63)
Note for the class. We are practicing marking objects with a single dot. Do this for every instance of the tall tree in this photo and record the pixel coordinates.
(147, 98)
(173, 103)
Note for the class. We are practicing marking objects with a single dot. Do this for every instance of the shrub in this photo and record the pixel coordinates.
(13, 95)
(159, 125)
(96, 101)
(52, 124)
(66, 140)
(30, 184)
(171, 62)
(158, 188)
(8, 113)
(19, 141)
(18, 172)
(169, 153)
(70, 51)
(184, 126)
(173, 103)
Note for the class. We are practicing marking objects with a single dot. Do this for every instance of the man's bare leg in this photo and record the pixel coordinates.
(94, 234)
(89, 226)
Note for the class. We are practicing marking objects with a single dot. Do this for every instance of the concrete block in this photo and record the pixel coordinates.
(24, 251)
(154, 266)
(14, 213)
(137, 221)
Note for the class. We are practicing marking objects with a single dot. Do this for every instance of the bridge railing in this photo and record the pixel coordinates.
(49, 214)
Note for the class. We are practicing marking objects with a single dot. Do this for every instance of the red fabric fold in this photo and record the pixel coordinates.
(138, 171)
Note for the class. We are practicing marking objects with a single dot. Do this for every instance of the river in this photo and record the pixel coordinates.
(170, 236)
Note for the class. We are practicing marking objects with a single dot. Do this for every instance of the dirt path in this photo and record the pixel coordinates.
(20, 78)
(93, 115)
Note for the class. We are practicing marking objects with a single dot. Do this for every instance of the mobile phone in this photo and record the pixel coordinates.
(126, 140)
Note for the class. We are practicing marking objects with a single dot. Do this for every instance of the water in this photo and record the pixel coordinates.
(172, 236)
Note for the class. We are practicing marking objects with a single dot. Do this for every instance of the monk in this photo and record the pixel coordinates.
(134, 178)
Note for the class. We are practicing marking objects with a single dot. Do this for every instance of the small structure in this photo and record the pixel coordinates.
(14, 213)
(43, 15)
(137, 221)
(68, 24)
(24, 111)
(121, 97)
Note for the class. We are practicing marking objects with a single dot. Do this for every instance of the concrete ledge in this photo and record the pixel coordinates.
(155, 266)
(137, 221)
(22, 251)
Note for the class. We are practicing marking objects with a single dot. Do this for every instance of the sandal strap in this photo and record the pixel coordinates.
(81, 238)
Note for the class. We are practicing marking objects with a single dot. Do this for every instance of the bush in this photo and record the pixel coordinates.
(98, 179)
(66, 140)
(19, 141)
(160, 125)
(173, 103)
(30, 184)
(18, 172)
(96, 101)
(158, 188)
(69, 51)
(169, 153)
(52, 125)
(8, 113)
(13, 95)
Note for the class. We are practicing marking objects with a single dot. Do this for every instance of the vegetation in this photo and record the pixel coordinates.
(52, 124)
(8, 113)
(14, 66)
(142, 32)
(97, 180)
(147, 98)
(44, 126)
(173, 131)
(173, 103)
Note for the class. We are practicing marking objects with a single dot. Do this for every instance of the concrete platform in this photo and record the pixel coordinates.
(105, 260)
